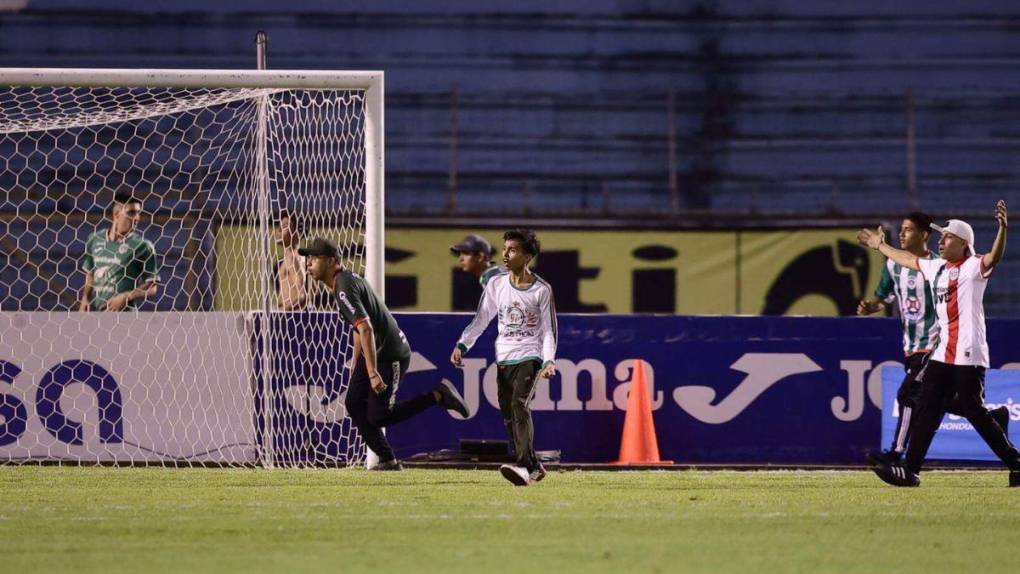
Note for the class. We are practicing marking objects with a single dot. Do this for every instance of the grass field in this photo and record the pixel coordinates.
(242, 520)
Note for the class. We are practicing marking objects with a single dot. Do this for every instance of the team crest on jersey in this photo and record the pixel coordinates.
(912, 309)
(123, 249)
(911, 283)
(954, 273)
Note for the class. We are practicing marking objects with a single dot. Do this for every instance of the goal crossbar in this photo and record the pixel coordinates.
(158, 78)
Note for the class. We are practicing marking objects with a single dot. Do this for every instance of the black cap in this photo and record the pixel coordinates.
(320, 247)
(472, 244)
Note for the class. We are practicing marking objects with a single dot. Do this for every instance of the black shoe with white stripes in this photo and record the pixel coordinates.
(886, 457)
(897, 475)
(388, 466)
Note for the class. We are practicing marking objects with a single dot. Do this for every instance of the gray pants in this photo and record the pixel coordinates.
(515, 385)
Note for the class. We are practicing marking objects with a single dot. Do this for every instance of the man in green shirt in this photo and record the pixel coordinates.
(381, 355)
(120, 265)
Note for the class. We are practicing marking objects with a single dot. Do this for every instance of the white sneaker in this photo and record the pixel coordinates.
(515, 474)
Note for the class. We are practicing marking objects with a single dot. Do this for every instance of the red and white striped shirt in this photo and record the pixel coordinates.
(958, 288)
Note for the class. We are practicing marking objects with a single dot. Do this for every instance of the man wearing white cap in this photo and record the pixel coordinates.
(957, 367)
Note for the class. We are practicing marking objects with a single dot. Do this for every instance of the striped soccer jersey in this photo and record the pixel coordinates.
(959, 290)
(526, 321)
(917, 311)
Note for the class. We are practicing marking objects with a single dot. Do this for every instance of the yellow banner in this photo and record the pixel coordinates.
(795, 272)
(726, 272)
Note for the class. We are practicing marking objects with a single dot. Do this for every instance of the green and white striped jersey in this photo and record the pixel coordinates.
(917, 309)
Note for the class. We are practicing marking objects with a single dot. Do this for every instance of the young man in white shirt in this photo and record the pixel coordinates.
(525, 345)
(957, 366)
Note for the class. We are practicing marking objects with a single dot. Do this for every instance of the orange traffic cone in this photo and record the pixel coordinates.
(639, 445)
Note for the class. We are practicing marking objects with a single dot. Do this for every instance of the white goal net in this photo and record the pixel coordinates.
(153, 309)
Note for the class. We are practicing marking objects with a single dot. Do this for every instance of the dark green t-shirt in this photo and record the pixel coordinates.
(118, 266)
(357, 303)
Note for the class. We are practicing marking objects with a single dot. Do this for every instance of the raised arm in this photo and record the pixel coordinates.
(875, 239)
(991, 258)
(292, 281)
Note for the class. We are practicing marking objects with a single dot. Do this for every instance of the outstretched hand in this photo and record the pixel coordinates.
(871, 238)
(1000, 213)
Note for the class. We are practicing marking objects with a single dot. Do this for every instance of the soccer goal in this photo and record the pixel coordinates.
(152, 306)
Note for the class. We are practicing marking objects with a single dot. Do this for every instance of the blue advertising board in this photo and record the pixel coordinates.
(956, 439)
(759, 390)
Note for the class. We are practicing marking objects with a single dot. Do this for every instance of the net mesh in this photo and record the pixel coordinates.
(226, 353)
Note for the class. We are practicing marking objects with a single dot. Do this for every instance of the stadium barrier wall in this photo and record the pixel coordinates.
(760, 390)
(106, 387)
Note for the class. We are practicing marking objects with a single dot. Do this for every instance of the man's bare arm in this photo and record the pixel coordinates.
(993, 257)
(875, 239)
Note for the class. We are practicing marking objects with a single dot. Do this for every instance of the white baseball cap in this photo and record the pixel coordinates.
(959, 228)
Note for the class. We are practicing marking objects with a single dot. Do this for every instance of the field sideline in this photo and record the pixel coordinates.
(244, 520)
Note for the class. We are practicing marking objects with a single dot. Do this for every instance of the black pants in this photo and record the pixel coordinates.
(515, 385)
(371, 412)
(908, 396)
(940, 383)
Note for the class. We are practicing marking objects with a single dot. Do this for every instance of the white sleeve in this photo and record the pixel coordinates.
(549, 327)
(930, 267)
(487, 307)
(978, 269)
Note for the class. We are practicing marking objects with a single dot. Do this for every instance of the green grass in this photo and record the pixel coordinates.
(242, 520)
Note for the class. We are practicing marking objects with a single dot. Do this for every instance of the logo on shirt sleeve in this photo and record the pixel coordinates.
(346, 302)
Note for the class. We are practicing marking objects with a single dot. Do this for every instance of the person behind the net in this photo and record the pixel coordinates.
(957, 365)
(120, 265)
(382, 355)
(920, 329)
(525, 345)
(475, 257)
(291, 275)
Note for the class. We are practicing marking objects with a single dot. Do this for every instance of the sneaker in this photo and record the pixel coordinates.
(538, 474)
(1001, 416)
(1014, 478)
(884, 457)
(897, 475)
(388, 465)
(515, 474)
(451, 399)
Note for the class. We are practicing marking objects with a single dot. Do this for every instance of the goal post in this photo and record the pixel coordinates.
(212, 365)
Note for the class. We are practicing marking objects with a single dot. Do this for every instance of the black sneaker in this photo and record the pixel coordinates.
(538, 474)
(451, 399)
(389, 465)
(897, 475)
(1014, 478)
(884, 457)
(1001, 416)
